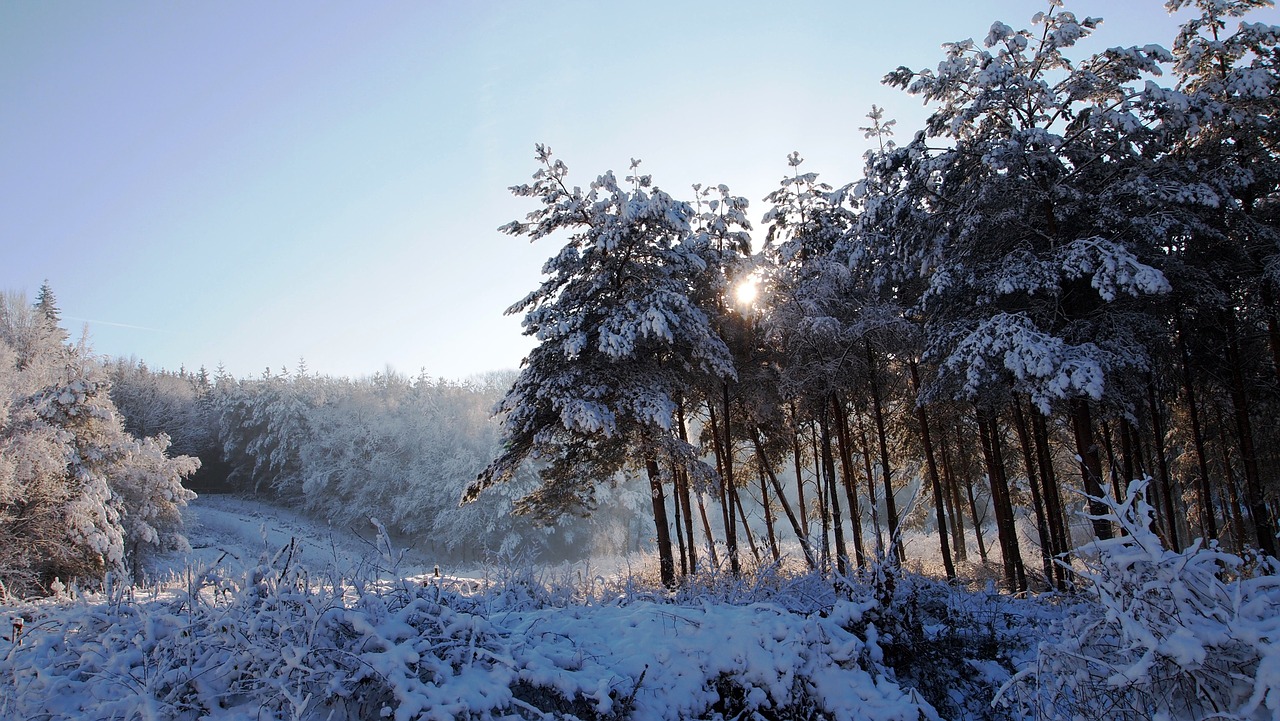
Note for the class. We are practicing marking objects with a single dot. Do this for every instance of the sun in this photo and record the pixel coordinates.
(746, 292)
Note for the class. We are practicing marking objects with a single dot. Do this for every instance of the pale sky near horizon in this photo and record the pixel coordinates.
(253, 183)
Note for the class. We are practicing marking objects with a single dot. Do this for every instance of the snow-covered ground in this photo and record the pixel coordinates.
(234, 532)
(272, 617)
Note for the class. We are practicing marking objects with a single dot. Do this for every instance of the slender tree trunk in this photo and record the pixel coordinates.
(746, 528)
(768, 517)
(706, 528)
(890, 504)
(1011, 520)
(680, 546)
(1162, 467)
(682, 488)
(727, 490)
(1235, 509)
(966, 460)
(871, 486)
(1125, 468)
(829, 478)
(823, 510)
(782, 499)
(1058, 526)
(666, 562)
(1262, 524)
(1208, 524)
(846, 471)
(957, 509)
(1134, 467)
(1090, 464)
(796, 458)
(1047, 550)
(1006, 529)
(934, 481)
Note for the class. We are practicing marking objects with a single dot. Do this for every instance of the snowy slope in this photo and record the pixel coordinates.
(235, 531)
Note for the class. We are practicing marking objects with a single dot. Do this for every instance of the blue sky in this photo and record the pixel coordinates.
(254, 183)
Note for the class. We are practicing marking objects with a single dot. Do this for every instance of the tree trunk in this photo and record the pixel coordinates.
(1125, 468)
(676, 507)
(1047, 550)
(768, 518)
(1090, 464)
(795, 449)
(1208, 524)
(846, 471)
(957, 509)
(746, 528)
(1006, 530)
(871, 486)
(890, 504)
(829, 478)
(682, 488)
(938, 503)
(1006, 498)
(706, 528)
(1058, 526)
(727, 492)
(966, 460)
(666, 562)
(1162, 468)
(786, 507)
(1262, 524)
(1235, 509)
(823, 510)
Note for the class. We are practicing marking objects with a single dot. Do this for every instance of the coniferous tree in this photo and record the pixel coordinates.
(1021, 223)
(620, 340)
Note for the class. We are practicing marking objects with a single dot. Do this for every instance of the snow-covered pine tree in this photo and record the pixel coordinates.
(619, 337)
(50, 313)
(1224, 172)
(814, 308)
(1025, 218)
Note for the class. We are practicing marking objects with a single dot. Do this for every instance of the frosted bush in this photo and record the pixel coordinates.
(1168, 635)
(283, 643)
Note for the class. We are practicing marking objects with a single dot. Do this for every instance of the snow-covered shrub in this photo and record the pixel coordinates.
(952, 646)
(1168, 635)
(282, 642)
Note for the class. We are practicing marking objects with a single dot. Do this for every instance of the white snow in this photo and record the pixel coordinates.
(273, 617)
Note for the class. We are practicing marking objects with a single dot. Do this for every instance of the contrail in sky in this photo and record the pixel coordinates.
(116, 325)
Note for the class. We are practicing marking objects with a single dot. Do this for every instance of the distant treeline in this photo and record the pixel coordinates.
(389, 447)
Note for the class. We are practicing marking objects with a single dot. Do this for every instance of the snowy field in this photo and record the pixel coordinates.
(274, 617)
(234, 532)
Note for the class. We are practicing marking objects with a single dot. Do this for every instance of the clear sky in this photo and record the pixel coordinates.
(251, 183)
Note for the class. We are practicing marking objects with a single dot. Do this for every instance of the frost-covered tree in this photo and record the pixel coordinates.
(815, 309)
(79, 496)
(175, 404)
(1226, 163)
(262, 425)
(1029, 220)
(619, 339)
